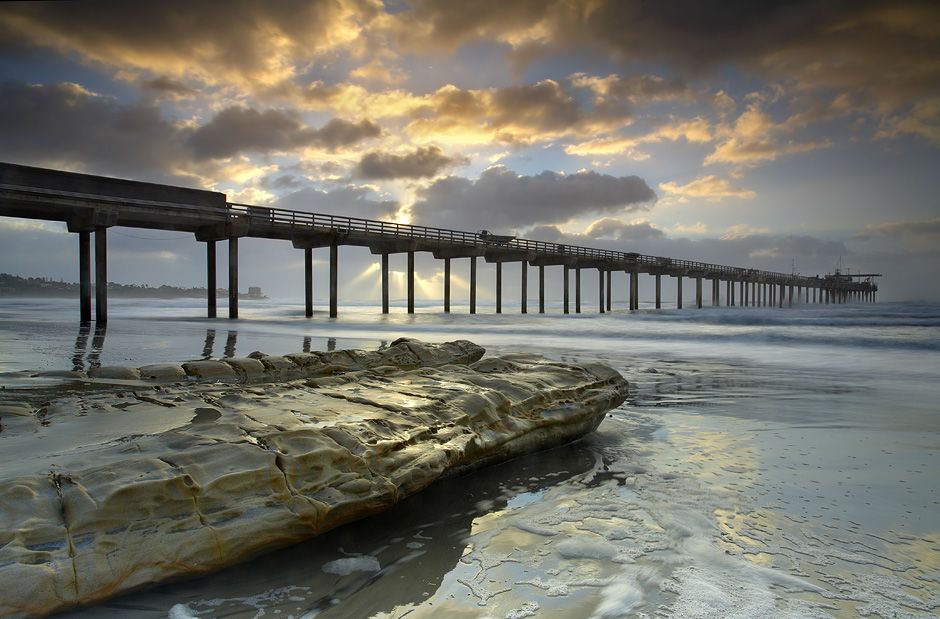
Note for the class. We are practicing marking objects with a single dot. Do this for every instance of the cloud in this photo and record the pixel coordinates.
(66, 125)
(618, 229)
(711, 188)
(926, 229)
(738, 231)
(239, 42)
(348, 201)
(696, 129)
(163, 87)
(423, 162)
(240, 129)
(755, 137)
(697, 228)
(503, 200)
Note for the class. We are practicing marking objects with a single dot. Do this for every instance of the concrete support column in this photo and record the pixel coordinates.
(210, 280)
(541, 289)
(698, 292)
(783, 292)
(308, 282)
(744, 291)
(101, 274)
(524, 299)
(384, 283)
(499, 287)
(577, 290)
(634, 287)
(790, 297)
(716, 292)
(233, 277)
(814, 294)
(609, 289)
(411, 282)
(565, 286)
(446, 285)
(600, 291)
(473, 284)
(659, 291)
(679, 292)
(84, 275)
(334, 280)
(729, 293)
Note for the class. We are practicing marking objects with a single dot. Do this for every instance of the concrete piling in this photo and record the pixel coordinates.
(84, 275)
(233, 277)
(308, 282)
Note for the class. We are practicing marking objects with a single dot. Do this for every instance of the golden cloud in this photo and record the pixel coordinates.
(711, 188)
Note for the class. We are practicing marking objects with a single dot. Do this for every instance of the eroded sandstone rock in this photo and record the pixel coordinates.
(120, 489)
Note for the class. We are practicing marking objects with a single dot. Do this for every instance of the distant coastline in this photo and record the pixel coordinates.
(15, 286)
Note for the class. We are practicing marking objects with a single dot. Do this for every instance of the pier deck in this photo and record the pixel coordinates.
(94, 203)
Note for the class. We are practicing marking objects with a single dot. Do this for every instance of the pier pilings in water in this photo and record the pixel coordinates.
(92, 204)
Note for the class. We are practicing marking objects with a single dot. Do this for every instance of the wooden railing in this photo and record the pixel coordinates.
(339, 223)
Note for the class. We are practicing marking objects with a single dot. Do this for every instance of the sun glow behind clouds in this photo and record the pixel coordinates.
(265, 101)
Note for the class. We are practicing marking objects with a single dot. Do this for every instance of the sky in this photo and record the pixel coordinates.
(788, 136)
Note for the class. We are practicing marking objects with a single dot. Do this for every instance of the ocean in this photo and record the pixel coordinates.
(768, 463)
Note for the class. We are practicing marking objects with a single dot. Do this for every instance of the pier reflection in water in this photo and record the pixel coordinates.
(93, 357)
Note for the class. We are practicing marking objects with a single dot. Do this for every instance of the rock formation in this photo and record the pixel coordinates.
(130, 476)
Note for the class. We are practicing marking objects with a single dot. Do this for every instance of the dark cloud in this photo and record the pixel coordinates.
(165, 87)
(241, 129)
(349, 201)
(543, 106)
(927, 229)
(66, 125)
(503, 200)
(238, 41)
(423, 162)
(280, 182)
(884, 53)
(611, 228)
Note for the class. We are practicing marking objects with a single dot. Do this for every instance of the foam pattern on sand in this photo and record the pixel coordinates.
(123, 482)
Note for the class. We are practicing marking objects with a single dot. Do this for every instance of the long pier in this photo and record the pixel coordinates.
(92, 204)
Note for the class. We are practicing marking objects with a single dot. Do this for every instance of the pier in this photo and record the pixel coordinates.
(92, 204)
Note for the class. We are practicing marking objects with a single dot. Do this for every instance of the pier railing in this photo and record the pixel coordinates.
(341, 223)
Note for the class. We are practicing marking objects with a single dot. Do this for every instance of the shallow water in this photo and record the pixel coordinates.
(769, 462)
